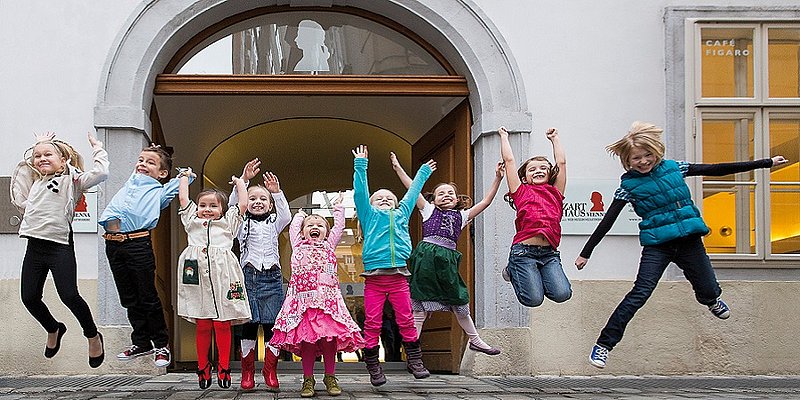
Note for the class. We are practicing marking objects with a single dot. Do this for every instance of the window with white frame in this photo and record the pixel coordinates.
(745, 105)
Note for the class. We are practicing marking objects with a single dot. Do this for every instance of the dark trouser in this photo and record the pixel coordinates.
(133, 265)
(42, 256)
(690, 256)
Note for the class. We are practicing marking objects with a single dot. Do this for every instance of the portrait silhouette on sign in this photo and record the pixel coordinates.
(311, 40)
(597, 201)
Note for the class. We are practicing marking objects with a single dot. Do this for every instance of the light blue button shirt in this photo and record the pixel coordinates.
(138, 204)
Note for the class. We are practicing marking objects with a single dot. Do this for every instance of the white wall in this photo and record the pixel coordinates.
(53, 53)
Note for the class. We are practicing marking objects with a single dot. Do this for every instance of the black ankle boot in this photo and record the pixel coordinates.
(376, 376)
(414, 360)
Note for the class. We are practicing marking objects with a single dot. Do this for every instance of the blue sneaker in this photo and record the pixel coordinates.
(598, 356)
(720, 309)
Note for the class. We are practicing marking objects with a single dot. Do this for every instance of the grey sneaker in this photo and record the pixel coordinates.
(506, 276)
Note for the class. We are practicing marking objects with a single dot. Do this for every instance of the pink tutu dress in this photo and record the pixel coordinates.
(314, 308)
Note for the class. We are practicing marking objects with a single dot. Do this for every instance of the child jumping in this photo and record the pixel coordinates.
(44, 187)
(128, 218)
(210, 282)
(387, 246)
(267, 214)
(536, 192)
(314, 319)
(671, 229)
(435, 282)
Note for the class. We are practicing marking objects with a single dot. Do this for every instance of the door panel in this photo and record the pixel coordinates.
(448, 143)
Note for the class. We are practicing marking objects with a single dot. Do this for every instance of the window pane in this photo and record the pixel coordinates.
(726, 56)
(784, 62)
(300, 42)
(729, 210)
(730, 213)
(728, 140)
(784, 135)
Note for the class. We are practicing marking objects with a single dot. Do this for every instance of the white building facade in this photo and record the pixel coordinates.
(720, 76)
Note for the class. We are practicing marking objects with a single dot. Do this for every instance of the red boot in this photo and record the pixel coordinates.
(249, 370)
(270, 370)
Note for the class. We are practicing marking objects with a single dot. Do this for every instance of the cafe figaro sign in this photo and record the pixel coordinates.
(725, 48)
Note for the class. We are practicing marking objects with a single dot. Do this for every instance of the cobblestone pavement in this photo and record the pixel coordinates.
(182, 386)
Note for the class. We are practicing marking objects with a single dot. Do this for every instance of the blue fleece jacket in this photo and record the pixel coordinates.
(387, 243)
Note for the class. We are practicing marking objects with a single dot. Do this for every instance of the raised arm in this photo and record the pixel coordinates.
(508, 160)
(282, 213)
(183, 186)
(561, 159)
(295, 227)
(250, 170)
(240, 187)
(401, 173)
(487, 199)
(602, 228)
(360, 184)
(99, 171)
(413, 192)
(338, 221)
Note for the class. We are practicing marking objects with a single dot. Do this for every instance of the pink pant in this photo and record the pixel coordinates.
(376, 290)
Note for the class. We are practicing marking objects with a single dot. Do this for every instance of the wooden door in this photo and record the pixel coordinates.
(448, 143)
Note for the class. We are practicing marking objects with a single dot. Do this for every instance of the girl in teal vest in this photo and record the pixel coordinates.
(671, 229)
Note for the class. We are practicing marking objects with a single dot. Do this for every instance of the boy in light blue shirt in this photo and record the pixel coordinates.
(128, 218)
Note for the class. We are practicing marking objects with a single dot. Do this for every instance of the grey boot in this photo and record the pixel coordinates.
(376, 376)
(414, 360)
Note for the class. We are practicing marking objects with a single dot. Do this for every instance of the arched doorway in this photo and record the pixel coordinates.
(422, 96)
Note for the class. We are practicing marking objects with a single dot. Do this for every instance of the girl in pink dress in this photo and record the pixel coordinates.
(314, 319)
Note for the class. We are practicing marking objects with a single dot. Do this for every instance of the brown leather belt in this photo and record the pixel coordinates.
(121, 237)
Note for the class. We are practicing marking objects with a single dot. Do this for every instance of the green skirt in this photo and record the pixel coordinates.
(434, 275)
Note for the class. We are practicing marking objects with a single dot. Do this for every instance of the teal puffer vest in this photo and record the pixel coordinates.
(662, 199)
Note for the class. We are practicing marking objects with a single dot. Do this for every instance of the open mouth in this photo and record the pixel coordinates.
(314, 233)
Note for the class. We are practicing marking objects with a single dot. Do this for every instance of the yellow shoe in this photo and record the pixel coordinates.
(308, 387)
(332, 385)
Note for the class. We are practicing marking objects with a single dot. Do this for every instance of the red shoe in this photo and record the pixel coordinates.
(249, 370)
(270, 370)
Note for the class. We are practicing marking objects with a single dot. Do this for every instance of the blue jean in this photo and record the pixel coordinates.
(536, 272)
(689, 254)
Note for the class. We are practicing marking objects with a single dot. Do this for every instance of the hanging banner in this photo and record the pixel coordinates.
(585, 204)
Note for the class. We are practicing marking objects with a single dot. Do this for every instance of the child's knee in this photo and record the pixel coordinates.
(530, 301)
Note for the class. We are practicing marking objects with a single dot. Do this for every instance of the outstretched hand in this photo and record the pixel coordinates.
(500, 169)
(778, 160)
(271, 182)
(551, 134)
(431, 164)
(93, 141)
(502, 131)
(580, 262)
(187, 172)
(44, 137)
(338, 200)
(251, 169)
(393, 159)
(361, 151)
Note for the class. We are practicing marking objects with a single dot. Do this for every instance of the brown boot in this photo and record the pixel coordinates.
(414, 360)
(249, 370)
(376, 376)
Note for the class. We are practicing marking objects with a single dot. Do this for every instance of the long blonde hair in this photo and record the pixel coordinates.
(643, 135)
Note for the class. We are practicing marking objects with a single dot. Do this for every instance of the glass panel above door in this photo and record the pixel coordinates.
(311, 43)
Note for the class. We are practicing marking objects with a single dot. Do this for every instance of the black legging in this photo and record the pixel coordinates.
(250, 331)
(42, 256)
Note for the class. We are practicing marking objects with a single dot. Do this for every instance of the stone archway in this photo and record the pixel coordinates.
(156, 30)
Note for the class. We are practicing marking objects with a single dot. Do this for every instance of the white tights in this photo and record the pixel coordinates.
(465, 320)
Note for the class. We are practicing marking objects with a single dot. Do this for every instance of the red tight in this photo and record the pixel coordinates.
(222, 333)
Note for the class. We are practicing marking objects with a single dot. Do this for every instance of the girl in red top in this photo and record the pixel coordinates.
(536, 192)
